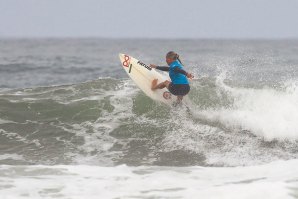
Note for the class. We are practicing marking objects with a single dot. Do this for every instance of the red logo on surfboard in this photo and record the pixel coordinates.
(167, 95)
(126, 61)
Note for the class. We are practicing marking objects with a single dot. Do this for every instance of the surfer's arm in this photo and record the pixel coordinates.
(178, 70)
(163, 68)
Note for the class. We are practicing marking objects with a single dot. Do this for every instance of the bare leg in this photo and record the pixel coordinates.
(179, 99)
(162, 85)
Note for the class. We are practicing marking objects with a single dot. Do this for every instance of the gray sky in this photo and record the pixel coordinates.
(150, 18)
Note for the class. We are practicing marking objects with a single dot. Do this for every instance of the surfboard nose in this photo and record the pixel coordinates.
(121, 56)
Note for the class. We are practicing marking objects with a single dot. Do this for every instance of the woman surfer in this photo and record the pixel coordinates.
(179, 85)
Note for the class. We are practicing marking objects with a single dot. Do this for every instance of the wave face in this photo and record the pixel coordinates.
(110, 122)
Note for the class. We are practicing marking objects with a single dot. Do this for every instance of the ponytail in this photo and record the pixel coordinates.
(179, 59)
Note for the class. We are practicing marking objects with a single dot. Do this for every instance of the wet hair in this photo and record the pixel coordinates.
(173, 55)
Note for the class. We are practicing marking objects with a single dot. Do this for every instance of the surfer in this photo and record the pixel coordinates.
(179, 85)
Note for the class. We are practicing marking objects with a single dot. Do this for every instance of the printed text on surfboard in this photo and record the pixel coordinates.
(142, 64)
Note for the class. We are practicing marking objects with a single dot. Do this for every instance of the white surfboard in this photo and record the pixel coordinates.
(143, 75)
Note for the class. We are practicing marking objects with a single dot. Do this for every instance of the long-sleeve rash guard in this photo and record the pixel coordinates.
(176, 72)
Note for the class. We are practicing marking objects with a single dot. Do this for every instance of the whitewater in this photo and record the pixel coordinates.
(73, 125)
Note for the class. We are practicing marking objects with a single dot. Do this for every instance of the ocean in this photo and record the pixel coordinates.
(73, 125)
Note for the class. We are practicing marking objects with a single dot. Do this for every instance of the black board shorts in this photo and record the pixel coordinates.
(179, 89)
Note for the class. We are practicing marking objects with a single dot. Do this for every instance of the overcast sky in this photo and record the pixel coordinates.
(149, 18)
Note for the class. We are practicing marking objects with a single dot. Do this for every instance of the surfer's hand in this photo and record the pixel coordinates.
(152, 66)
(190, 76)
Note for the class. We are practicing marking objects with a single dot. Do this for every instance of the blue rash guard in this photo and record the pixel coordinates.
(179, 85)
(177, 77)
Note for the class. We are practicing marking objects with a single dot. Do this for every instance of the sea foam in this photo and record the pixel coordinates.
(266, 112)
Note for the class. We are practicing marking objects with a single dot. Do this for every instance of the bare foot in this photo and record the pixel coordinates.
(154, 83)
